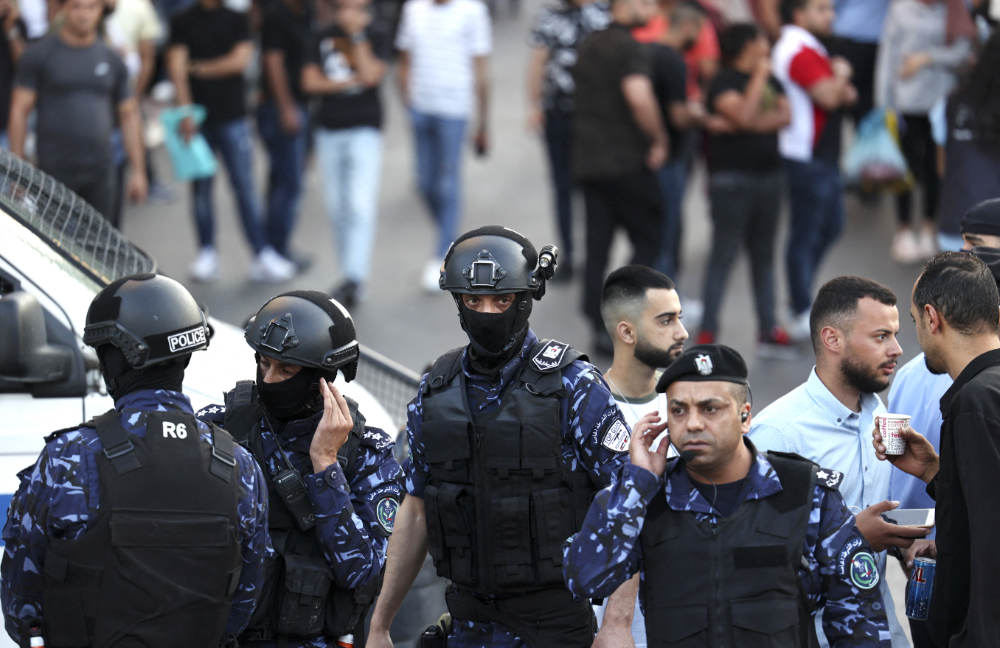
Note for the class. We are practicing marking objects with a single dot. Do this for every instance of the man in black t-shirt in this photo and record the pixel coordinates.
(209, 51)
(282, 115)
(748, 107)
(618, 144)
(345, 67)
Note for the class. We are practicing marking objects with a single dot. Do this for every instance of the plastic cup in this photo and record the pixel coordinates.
(891, 427)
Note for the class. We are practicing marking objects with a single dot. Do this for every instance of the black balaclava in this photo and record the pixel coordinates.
(295, 398)
(495, 338)
(122, 379)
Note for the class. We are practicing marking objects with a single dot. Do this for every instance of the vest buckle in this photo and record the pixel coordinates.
(119, 450)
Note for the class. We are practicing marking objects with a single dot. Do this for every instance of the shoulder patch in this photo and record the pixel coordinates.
(550, 356)
(864, 570)
(376, 438)
(385, 511)
(829, 479)
(617, 437)
(211, 412)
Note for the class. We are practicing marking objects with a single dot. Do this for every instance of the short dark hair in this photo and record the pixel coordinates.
(685, 13)
(962, 288)
(734, 39)
(788, 9)
(628, 285)
(838, 299)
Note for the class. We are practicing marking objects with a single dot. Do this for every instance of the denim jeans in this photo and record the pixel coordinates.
(350, 162)
(745, 208)
(558, 140)
(232, 142)
(816, 206)
(287, 165)
(672, 177)
(439, 143)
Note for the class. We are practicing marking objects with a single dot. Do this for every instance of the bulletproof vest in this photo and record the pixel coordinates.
(499, 500)
(298, 597)
(732, 583)
(161, 560)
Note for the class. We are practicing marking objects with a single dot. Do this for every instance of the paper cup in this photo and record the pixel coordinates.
(891, 427)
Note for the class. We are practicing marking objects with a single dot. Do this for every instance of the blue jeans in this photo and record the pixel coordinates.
(672, 177)
(817, 219)
(350, 162)
(439, 159)
(558, 142)
(287, 154)
(232, 142)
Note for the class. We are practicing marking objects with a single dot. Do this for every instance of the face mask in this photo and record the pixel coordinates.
(296, 397)
(497, 335)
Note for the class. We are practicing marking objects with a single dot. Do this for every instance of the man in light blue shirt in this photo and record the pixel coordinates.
(829, 419)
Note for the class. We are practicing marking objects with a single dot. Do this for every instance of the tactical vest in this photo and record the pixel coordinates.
(499, 499)
(161, 560)
(733, 584)
(298, 597)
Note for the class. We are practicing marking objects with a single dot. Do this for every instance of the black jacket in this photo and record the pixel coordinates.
(966, 600)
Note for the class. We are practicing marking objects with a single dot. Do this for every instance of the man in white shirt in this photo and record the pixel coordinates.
(444, 50)
(642, 314)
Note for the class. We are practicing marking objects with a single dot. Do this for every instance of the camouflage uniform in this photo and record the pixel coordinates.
(606, 553)
(588, 413)
(354, 545)
(59, 494)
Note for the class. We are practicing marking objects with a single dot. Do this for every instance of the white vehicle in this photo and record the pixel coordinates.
(56, 253)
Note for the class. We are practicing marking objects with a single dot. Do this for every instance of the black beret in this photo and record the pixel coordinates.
(703, 363)
(983, 218)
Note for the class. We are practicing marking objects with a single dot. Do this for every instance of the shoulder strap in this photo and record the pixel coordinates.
(350, 449)
(542, 372)
(223, 454)
(243, 412)
(444, 369)
(118, 447)
(797, 475)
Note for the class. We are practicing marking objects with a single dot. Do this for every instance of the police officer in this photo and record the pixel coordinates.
(334, 484)
(141, 527)
(510, 438)
(736, 548)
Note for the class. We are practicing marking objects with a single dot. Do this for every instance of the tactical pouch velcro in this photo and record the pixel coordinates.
(302, 603)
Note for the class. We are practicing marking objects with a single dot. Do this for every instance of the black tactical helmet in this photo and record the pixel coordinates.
(494, 260)
(306, 328)
(149, 318)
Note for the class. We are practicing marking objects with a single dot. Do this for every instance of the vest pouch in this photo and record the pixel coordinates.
(447, 450)
(552, 523)
(681, 627)
(765, 623)
(302, 597)
(70, 605)
(512, 541)
(451, 531)
(541, 437)
(502, 448)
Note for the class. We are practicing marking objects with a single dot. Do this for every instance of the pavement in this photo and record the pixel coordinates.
(509, 187)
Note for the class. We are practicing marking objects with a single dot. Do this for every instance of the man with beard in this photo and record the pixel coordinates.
(827, 419)
(954, 306)
(333, 482)
(642, 314)
(510, 437)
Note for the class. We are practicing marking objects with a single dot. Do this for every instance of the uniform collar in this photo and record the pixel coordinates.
(682, 495)
(154, 399)
(832, 408)
(973, 369)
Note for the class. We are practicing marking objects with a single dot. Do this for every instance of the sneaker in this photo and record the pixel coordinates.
(777, 344)
(798, 330)
(269, 266)
(429, 280)
(206, 265)
(905, 248)
(926, 245)
(705, 337)
(347, 293)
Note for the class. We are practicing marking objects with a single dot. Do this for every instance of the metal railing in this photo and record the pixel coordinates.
(392, 384)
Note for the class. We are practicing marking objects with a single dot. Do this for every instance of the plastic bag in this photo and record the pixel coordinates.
(874, 161)
(191, 160)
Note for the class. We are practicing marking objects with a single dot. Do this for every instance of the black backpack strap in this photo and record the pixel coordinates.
(444, 369)
(223, 454)
(118, 447)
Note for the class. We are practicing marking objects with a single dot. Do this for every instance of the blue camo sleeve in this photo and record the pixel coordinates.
(846, 576)
(354, 520)
(38, 512)
(605, 552)
(600, 434)
(415, 467)
(255, 542)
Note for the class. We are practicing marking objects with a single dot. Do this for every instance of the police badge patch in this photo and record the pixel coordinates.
(703, 363)
(864, 570)
(385, 511)
(617, 437)
(550, 356)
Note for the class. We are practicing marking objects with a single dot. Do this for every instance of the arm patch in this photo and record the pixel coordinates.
(829, 479)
